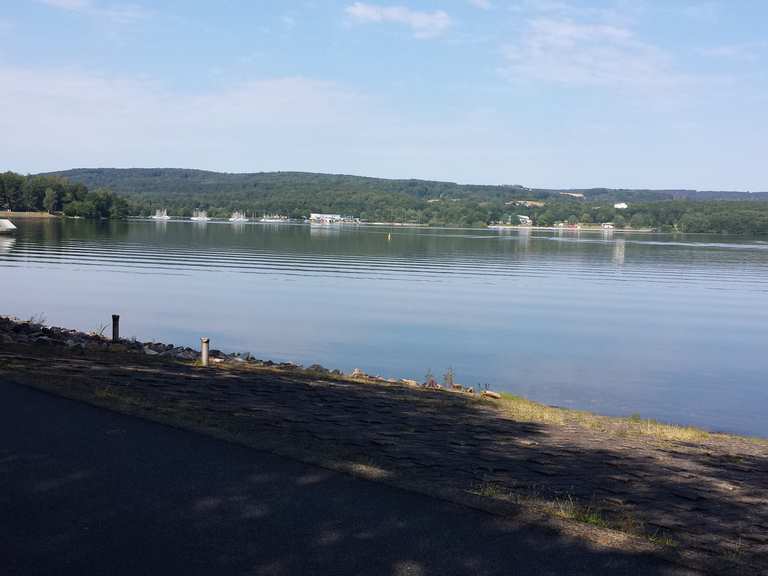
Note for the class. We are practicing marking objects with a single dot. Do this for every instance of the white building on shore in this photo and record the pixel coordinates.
(317, 218)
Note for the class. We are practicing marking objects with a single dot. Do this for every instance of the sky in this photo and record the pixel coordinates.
(543, 93)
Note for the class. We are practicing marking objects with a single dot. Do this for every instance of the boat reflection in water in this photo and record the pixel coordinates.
(6, 244)
(324, 230)
(618, 251)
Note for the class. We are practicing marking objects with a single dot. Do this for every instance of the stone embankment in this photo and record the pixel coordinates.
(32, 332)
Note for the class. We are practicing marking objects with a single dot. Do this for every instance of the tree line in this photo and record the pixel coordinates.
(55, 194)
(738, 218)
(690, 216)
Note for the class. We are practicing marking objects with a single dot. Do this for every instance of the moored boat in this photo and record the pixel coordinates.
(324, 219)
(161, 215)
(273, 218)
(200, 216)
(238, 216)
(6, 226)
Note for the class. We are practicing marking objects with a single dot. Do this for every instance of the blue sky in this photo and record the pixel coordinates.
(640, 93)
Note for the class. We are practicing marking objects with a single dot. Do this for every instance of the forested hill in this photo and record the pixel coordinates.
(296, 194)
(166, 182)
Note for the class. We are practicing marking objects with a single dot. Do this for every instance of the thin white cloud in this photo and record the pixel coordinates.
(422, 24)
(124, 13)
(74, 5)
(288, 21)
(306, 124)
(708, 11)
(482, 4)
(264, 118)
(745, 51)
(551, 7)
(567, 52)
(291, 123)
(115, 13)
(617, 14)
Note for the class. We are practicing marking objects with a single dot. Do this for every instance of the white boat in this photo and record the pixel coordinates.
(273, 218)
(161, 215)
(323, 219)
(238, 217)
(200, 216)
(317, 218)
(6, 226)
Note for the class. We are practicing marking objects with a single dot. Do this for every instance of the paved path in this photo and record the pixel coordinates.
(87, 491)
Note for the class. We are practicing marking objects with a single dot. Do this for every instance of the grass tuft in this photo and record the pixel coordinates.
(569, 509)
(662, 539)
(526, 410)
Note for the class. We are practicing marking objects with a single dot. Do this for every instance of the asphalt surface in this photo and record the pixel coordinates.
(88, 491)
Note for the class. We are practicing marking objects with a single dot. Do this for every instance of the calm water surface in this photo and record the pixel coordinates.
(670, 327)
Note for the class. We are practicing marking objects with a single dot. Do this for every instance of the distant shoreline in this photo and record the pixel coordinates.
(38, 215)
(493, 227)
(583, 228)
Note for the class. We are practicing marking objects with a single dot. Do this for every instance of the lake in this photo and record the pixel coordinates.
(669, 327)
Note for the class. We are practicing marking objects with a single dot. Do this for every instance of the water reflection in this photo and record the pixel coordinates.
(324, 230)
(6, 243)
(523, 237)
(619, 248)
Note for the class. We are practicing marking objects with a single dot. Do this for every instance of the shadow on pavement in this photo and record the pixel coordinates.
(89, 491)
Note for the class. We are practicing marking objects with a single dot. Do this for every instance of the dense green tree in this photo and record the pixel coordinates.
(639, 220)
(694, 223)
(54, 193)
(33, 193)
(13, 185)
(51, 200)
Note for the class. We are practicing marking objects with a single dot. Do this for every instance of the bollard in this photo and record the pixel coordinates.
(204, 351)
(115, 327)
